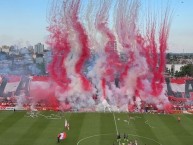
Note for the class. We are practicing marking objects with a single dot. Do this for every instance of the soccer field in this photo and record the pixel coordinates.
(24, 128)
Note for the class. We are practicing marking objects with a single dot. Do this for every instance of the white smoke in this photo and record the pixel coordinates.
(94, 19)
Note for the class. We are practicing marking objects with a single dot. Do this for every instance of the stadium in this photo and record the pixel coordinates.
(106, 82)
(41, 123)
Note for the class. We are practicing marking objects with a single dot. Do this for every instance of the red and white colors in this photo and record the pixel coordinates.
(105, 50)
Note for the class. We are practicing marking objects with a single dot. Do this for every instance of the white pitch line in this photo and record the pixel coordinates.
(117, 133)
(146, 122)
(129, 121)
(115, 123)
(114, 120)
(92, 137)
(113, 133)
(145, 138)
(52, 116)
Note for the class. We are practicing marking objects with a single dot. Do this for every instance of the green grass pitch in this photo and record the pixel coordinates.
(23, 128)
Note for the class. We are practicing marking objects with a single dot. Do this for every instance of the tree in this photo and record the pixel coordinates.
(176, 74)
(41, 68)
(186, 70)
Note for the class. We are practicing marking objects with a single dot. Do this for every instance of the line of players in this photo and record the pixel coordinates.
(125, 140)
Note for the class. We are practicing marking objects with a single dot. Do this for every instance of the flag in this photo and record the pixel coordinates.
(179, 88)
(63, 135)
(66, 124)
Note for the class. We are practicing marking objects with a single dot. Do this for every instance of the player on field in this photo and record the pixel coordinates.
(179, 119)
(118, 137)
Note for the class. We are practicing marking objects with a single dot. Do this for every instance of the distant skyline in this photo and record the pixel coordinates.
(24, 22)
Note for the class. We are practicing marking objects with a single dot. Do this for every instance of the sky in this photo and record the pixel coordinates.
(181, 32)
(24, 22)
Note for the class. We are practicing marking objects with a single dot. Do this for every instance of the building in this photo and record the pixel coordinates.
(174, 67)
(31, 49)
(4, 64)
(39, 48)
(13, 50)
(39, 59)
(5, 49)
(47, 58)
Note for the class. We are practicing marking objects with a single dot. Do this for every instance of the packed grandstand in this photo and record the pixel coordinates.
(179, 92)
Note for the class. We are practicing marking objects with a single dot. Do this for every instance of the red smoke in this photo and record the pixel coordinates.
(83, 42)
(58, 40)
(144, 55)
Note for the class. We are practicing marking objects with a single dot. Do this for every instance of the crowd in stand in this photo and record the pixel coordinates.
(150, 108)
(4, 102)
